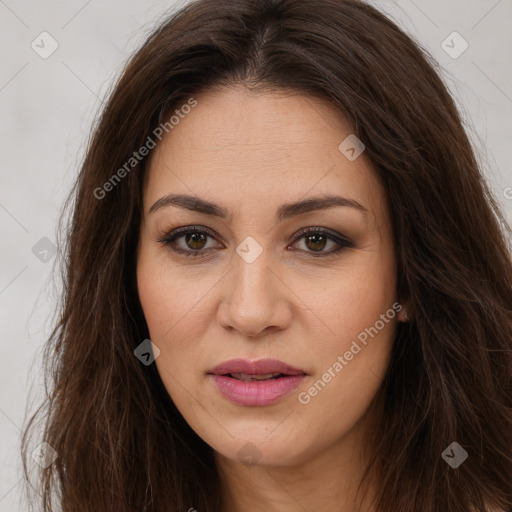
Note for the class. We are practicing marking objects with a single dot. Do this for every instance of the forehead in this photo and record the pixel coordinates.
(259, 146)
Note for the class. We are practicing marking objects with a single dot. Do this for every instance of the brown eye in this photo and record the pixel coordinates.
(190, 241)
(195, 241)
(317, 240)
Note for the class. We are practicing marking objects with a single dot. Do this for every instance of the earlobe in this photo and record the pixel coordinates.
(402, 315)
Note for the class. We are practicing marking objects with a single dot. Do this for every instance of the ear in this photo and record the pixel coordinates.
(402, 314)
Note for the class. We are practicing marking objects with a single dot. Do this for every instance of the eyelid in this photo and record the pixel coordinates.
(184, 230)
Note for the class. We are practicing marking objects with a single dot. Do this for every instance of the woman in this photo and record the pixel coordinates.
(288, 284)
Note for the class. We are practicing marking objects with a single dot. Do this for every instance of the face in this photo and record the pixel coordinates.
(251, 268)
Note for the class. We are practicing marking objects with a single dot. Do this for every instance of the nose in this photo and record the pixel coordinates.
(256, 300)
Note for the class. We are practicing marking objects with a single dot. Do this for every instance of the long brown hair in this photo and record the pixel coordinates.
(121, 443)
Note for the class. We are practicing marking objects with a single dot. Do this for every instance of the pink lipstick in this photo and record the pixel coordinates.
(256, 383)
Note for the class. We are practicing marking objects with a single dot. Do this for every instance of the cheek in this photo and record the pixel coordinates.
(162, 316)
(170, 329)
(176, 312)
(350, 370)
(354, 301)
(159, 286)
(357, 308)
(154, 299)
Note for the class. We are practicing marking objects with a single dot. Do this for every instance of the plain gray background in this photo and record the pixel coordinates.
(47, 106)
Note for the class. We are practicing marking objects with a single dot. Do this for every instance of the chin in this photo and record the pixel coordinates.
(255, 446)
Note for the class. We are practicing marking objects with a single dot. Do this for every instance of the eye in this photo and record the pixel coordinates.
(193, 241)
(315, 240)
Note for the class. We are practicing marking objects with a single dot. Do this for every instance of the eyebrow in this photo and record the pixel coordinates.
(283, 212)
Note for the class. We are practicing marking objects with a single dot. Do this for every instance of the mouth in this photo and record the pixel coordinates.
(256, 383)
(262, 369)
(248, 378)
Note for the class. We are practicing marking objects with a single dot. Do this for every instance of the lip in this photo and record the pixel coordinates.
(259, 367)
(256, 393)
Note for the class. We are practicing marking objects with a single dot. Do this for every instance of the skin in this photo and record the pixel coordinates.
(250, 153)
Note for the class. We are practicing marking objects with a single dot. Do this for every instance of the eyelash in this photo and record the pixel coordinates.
(169, 237)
